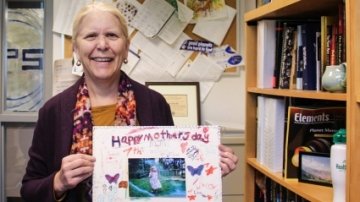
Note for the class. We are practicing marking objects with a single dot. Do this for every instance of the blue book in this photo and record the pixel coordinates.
(308, 36)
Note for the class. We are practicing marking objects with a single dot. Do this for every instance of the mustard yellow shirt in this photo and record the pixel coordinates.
(103, 115)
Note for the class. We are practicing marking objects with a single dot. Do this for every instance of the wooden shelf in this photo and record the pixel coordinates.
(311, 192)
(292, 9)
(319, 95)
(277, 9)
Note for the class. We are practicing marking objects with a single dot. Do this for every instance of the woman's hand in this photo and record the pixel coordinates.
(228, 160)
(74, 169)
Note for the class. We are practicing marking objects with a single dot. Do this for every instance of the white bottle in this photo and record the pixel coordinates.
(338, 166)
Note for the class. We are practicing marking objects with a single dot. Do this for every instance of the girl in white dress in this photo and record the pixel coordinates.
(154, 180)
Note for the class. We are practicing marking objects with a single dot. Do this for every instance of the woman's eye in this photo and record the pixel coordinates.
(90, 36)
(112, 36)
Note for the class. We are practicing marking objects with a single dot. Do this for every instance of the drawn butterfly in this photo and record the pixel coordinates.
(112, 179)
(195, 171)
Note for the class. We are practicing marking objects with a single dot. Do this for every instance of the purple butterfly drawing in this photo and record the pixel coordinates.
(112, 179)
(195, 171)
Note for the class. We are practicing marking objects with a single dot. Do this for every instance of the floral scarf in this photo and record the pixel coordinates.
(125, 114)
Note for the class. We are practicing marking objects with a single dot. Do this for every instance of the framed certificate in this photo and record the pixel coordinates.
(183, 98)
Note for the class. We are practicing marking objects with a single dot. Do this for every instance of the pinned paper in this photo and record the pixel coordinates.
(195, 45)
(226, 57)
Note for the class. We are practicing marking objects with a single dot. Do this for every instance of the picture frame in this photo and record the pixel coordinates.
(183, 98)
(314, 168)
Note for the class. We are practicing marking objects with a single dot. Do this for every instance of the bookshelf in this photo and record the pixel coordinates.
(295, 9)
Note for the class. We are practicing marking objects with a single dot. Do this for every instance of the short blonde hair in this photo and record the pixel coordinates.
(102, 7)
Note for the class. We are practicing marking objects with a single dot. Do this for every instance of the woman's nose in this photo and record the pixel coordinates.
(102, 43)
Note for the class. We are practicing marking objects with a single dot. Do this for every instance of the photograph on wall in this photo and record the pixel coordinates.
(156, 163)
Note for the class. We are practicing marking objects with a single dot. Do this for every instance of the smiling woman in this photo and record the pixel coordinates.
(61, 163)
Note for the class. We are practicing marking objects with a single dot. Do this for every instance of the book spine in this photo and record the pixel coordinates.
(340, 36)
(309, 54)
(299, 60)
(265, 52)
(326, 27)
(329, 34)
(318, 59)
(333, 45)
(286, 56)
(293, 68)
(260, 129)
(279, 28)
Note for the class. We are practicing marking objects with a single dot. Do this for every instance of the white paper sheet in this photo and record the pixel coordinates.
(176, 25)
(62, 75)
(201, 69)
(133, 59)
(152, 17)
(215, 30)
(129, 8)
(149, 70)
(205, 88)
(169, 57)
(65, 13)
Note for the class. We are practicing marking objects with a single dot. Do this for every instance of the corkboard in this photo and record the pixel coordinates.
(230, 37)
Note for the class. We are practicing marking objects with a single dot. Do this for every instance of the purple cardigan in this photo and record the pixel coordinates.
(53, 137)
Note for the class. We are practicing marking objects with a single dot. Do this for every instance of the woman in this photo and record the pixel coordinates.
(60, 155)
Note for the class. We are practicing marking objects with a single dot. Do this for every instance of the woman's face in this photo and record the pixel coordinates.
(101, 46)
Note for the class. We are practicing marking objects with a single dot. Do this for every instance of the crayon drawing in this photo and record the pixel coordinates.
(156, 163)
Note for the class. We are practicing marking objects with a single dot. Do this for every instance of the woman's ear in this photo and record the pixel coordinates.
(127, 49)
(74, 49)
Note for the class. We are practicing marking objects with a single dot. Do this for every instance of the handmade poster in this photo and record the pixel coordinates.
(156, 163)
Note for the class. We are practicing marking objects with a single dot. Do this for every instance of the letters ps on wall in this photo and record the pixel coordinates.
(156, 163)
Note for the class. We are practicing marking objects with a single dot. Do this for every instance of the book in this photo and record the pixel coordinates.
(260, 129)
(187, 161)
(308, 31)
(299, 59)
(326, 33)
(310, 129)
(270, 138)
(279, 28)
(293, 67)
(333, 42)
(318, 60)
(340, 54)
(265, 53)
(286, 55)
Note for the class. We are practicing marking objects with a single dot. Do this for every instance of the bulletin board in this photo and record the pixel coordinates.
(229, 39)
